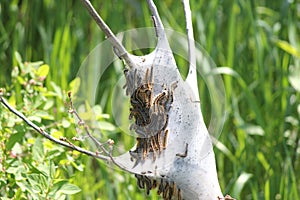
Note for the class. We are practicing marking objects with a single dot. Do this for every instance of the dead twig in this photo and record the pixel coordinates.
(73, 111)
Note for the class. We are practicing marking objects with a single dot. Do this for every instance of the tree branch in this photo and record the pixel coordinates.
(157, 21)
(119, 49)
(192, 74)
(62, 141)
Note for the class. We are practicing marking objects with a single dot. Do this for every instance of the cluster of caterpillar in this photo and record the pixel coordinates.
(150, 113)
(167, 189)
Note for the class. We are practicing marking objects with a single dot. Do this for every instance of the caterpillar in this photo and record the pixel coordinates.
(167, 189)
(150, 113)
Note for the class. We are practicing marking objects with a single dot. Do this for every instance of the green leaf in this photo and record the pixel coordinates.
(12, 99)
(69, 188)
(35, 182)
(65, 123)
(265, 163)
(42, 168)
(288, 48)
(15, 169)
(50, 94)
(19, 60)
(38, 100)
(24, 186)
(43, 182)
(17, 149)
(78, 167)
(35, 64)
(225, 151)
(252, 129)
(106, 126)
(18, 194)
(21, 80)
(5, 198)
(14, 139)
(292, 120)
(74, 86)
(240, 183)
(43, 71)
(35, 118)
(56, 89)
(38, 150)
(52, 170)
(64, 187)
(294, 76)
(43, 114)
(57, 187)
(49, 104)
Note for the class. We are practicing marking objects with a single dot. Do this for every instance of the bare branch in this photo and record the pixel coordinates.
(157, 21)
(61, 141)
(190, 34)
(192, 75)
(86, 128)
(119, 49)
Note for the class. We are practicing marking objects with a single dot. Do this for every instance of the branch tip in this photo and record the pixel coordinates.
(70, 94)
(110, 142)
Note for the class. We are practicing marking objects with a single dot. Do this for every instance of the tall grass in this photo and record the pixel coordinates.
(256, 41)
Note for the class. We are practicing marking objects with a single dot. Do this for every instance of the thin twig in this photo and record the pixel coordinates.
(192, 75)
(86, 128)
(64, 141)
(156, 18)
(60, 141)
(118, 47)
(100, 146)
(190, 34)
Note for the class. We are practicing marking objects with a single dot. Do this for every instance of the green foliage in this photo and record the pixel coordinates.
(32, 166)
(258, 42)
(35, 168)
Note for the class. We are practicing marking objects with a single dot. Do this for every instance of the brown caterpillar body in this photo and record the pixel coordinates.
(167, 189)
(150, 114)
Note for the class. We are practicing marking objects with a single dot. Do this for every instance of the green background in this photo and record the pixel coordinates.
(258, 156)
